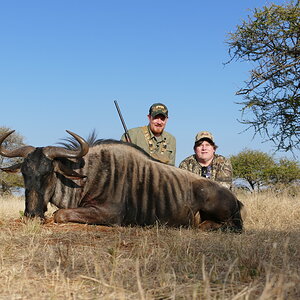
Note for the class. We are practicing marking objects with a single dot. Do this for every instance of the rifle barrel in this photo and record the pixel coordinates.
(123, 122)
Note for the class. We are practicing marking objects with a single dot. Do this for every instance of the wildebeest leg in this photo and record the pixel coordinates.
(89, 215)
(219, 208)
(232, 223)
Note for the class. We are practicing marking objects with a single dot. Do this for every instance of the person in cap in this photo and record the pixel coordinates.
(206, 162)
(153, 138)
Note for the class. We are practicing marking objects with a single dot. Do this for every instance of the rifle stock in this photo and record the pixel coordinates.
(127, 137)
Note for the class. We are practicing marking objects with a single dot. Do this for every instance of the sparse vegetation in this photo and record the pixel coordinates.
(259, 170)
(10, 182)
(268, 40)
(77, 261)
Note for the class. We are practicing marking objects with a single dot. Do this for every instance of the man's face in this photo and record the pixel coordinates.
(205, 151)
(157, 124)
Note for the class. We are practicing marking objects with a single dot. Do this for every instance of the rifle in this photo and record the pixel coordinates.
(127, 137)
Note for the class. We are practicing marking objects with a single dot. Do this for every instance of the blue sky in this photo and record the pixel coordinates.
(63, 63)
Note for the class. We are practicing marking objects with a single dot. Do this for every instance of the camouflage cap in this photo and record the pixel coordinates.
(204, 135)
(158, 109)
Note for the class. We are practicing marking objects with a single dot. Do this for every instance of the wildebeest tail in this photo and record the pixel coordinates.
(237, 219)
(235, 224)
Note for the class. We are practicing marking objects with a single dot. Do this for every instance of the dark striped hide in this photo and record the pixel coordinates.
(118, 183)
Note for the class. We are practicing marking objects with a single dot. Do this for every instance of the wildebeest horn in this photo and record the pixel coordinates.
(53, 152)
(19, 152)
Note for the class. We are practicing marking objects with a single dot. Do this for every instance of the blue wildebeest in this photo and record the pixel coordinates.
(118, 183)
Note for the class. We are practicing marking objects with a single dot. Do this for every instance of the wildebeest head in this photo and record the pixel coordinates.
(38, 170)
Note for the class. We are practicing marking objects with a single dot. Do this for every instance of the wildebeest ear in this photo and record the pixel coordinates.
(12, 169)
(67, 172)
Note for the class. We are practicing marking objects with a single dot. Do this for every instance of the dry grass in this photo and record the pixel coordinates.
(75, 261)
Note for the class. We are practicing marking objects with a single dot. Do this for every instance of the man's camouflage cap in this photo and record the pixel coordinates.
(204, 135)
(158, 109)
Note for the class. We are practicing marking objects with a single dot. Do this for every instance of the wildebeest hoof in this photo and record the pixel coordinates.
(59, 216)
(209, 225)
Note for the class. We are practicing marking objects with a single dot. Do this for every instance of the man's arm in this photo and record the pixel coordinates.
(224, 174)
(184, 165)
(172, 149)
(173, 156)
(123, 138)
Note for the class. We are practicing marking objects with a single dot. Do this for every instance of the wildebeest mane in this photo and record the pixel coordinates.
(112, 141)
(71, 143)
